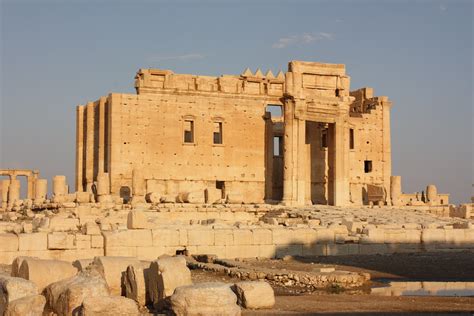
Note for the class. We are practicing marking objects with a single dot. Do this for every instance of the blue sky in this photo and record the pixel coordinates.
(57, 54)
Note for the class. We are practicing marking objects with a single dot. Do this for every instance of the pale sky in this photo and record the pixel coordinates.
(58, 54)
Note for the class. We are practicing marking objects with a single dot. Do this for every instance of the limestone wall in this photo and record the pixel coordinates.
(277, 242)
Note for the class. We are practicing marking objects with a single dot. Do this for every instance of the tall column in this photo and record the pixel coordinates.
(79, 147)
(59, 185)
(301, 156)
(89, 146)
(5, 188)
(13, 192)
(288, 159)
(340, 163)
(41, 190)
(101, 134)
(30, 187)
(387, 153)
(269, 149)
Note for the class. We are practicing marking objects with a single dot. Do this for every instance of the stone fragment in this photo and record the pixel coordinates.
(90, 228)
(12, 288)
(111, 268)
(254, 294)
(82, 264)
(213, 298)
(66, 296)
(234, 198)
(109, 306)
(32, 305)
(153, 197)
(135, 281)
(45, 272)
(165, 275)
(137, 220)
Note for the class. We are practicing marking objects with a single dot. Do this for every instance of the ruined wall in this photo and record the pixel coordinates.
(370, 122)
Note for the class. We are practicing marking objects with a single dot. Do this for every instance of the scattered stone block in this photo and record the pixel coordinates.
(153, 197)
(61, 224)
(254, 294)
(82, 197)
(9, 242)
(35, 241)
(91, 228)
(111, 268)
(213, 298)
(135, 283)
(165, 275)
(45, 272)
(66, 296)
(108, 306)
(12, 288)
(60, 241)
(32, 305)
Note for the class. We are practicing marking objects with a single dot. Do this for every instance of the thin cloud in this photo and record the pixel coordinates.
(305, 38)
(442, 8)
(184, 57)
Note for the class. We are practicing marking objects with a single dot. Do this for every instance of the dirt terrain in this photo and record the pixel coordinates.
(442, 266)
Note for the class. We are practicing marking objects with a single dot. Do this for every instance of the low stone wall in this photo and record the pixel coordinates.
(148, 244)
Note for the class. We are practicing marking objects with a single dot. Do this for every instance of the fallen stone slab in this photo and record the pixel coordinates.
(12, 288)
(31, 305)
(66, 296)
(45, 272)
(108, 306)
(16, 264)
(213, 298)
(165, 275)
(254, 294)
(135, 282)
(111, 268)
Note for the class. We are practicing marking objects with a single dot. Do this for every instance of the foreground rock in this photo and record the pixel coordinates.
(66, 296)
(213, 298)
(254, 294)
(165, 275)
(135, 283)
(111, 268)
(32, 305)
(108, 306)
(45, 272)
(12, 289)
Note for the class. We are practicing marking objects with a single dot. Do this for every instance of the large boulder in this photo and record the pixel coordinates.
(45, 272)
(254, 294)
(108, 306)
(65, 297)
(112, 268)
(165, 275)
(31, 305)
(214, 298)
(135, 283)
(12, 288)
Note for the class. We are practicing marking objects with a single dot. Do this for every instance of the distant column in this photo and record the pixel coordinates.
(138, 183)
(340, 174)
(288, 150)
(89, 146)
(13, 192)
(79, 148)
(103, 184)
(5, 188)
(395, 189)
(101, 134)
(30, 187)
(268, 157)
(59, 185)
(41, 190)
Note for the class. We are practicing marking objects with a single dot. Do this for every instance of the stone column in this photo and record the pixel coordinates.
(288, 149)
(59, 185)
(301, 159)
(5, 188)
(339, 164)
(387, 155)
(103, 184)
(30, 187)
(101, 155)
(269, 149)
(431, 194)
(138, 185)
(79, 147)
(89, 146)
(395, 190)
(41, 190)
(13, 192)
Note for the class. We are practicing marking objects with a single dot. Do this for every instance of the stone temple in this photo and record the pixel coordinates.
(297, 138)
(300, 138)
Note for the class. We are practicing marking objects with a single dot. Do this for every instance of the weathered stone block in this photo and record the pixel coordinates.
(200, 237)
(224, 237)
(12, 288)
(166, 237)
(254, 294)
(35, 241)
(242, 237)
(45, 272)
(111, 268)
(83, 241)
(97, 241)
(8, 242)
(137, 220)
(32, 305)
(262, 236)
(128, 238)
(60, 241)
(109, 306)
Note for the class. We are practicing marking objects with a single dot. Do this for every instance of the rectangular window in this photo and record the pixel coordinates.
(217, 133)
(368, 166)
(351, 138)
(189, 131)
(277, 146)
(324, 138)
